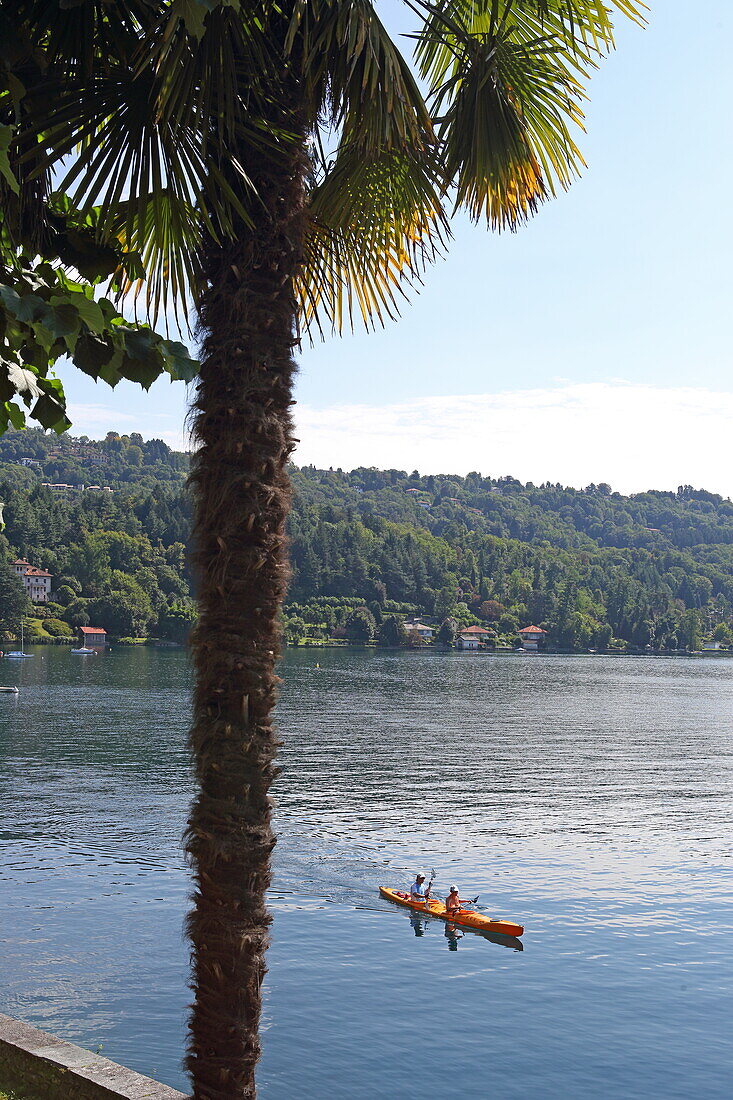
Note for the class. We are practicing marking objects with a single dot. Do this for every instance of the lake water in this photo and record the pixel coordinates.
(590, 798)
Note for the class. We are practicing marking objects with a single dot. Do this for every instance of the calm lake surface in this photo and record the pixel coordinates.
(591, 798)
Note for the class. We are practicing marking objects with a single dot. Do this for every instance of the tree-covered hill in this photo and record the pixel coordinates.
(591, 566)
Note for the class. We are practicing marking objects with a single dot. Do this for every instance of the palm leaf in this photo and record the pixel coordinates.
(506, 79)
(374, 223)
(74, 34)
(151, 132)
(356, 78)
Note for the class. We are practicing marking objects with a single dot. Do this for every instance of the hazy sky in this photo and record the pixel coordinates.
(592, 345)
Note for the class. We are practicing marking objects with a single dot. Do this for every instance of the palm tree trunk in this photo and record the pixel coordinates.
(243, 439)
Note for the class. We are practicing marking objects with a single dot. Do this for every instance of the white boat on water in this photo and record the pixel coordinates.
(8, 691)
(18, 654)
(83, 649)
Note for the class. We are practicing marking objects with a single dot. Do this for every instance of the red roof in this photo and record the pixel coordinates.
(92, 630)
(532, 630)
(21, 561)
(33, 572)
(475, 630)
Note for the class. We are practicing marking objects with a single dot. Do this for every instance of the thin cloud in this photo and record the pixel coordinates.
(97, 420)
(633, 436)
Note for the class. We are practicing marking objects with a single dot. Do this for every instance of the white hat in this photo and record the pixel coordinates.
(454, 889)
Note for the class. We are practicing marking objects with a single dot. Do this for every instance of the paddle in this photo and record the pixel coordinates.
(464, 901)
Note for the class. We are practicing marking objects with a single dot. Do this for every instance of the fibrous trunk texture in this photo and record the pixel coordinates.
(243, 439)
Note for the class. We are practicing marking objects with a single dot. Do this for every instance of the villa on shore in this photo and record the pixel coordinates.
(532, 637)
(412, 626)
(473, 637)
(37, 582)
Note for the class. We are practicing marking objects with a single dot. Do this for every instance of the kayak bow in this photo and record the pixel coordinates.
(467, 918)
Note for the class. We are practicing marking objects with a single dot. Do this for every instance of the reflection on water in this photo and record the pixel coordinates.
(589, 798)
(418, 923)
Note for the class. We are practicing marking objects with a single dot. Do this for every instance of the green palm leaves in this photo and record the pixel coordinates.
(147, 112)
(505, 85)
(494, 132)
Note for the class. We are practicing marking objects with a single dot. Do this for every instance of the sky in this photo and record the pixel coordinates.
(592, 345)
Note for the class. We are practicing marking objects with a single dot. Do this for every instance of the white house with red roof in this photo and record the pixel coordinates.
(92, 637)
(532, 637)
(37, 582)
(473, 637)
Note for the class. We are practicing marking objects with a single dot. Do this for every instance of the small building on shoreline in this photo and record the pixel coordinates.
(424, 632)
(532, 637)
(473, 637)
(92, 637)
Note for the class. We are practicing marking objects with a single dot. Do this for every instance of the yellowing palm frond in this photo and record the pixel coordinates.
(374, 223)
(506, 80)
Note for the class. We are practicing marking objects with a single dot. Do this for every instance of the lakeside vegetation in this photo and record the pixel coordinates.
(370, 548)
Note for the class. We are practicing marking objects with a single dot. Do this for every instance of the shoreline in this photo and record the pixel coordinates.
(152, 643)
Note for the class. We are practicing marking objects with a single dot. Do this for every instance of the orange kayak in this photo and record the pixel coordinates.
(467, 918)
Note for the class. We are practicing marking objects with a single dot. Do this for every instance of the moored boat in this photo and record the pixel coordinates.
(18, 654)
(8, 691)
(465, 918)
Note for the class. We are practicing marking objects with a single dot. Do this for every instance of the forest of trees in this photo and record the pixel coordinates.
(369, 548)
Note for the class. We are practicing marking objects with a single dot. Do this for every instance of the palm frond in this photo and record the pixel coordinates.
(374, 224)
(164, 233)
(507, 79)
(74, 34)
(355, 76)
(160, 173)
(151, 133)
(212, 79)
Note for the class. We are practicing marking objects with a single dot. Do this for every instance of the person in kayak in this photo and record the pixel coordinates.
(417, 890)
(452, 902)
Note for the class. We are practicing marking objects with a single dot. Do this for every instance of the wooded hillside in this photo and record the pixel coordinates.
(593, 567)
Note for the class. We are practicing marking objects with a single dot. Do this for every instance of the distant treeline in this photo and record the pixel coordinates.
(592, 567)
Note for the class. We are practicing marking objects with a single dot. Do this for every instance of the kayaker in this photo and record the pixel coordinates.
(417, 890)
(452, 902)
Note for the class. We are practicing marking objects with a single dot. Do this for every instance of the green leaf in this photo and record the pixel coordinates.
(15, 415)
(34, 354)
(135, 370)
(179, 363)
(110, 372)
(90, 258)
(87, 309)
(92, 353)
(50, 414)
(65, 320)
(147, 357)
(6, 136)
(28, 308)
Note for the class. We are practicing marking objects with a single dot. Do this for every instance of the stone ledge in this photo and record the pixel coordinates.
(43, 1067)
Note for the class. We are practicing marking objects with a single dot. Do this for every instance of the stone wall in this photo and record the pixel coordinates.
(38, 1066)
